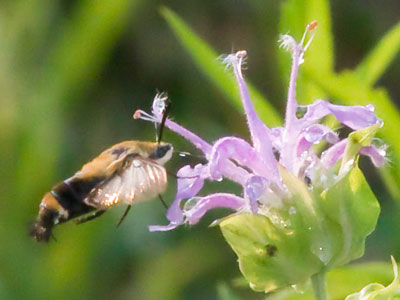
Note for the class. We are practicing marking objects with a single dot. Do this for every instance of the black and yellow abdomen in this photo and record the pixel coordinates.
(63, 203)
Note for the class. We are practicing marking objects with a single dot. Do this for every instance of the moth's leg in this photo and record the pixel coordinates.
(89, 217)
(162, 201)
(124, 215)
(53, 237)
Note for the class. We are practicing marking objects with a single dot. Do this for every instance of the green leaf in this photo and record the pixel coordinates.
(206, 59)
(376, 291)
(292, 18)
(295, 15)
(225, 292)
(85, 42)
(377, 61)
(309, 234)
(320, 56)
(183, 255)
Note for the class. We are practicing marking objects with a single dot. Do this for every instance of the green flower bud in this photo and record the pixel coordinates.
(376, 291)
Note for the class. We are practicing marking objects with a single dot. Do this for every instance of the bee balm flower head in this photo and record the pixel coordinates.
(313, 208)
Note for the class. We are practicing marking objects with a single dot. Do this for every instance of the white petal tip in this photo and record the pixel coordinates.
(154, 228)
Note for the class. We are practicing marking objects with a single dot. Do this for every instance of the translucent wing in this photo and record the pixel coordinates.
(137, 180)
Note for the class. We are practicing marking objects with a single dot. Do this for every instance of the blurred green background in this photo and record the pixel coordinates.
(73, 72)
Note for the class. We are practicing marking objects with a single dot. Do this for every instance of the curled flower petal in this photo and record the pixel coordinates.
(330, 156)
(356, 117)
(240, 151)
(317, 132)
(313, 135)
(376, 154)
(190, 182)
(204, 204)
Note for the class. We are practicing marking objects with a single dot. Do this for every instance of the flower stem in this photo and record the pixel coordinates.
(319, 286)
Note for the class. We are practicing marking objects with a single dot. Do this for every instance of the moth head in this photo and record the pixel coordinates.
(162, 153)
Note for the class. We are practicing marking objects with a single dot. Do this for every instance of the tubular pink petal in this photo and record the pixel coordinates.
(198, 142)
(291, 128)
(212, 201)
(291, 105)
(258, 131)
(297, 50)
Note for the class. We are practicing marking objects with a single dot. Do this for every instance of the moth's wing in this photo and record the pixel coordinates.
(136, 181)
(142, 180)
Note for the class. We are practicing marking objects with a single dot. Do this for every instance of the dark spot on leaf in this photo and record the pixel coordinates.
(271, 250)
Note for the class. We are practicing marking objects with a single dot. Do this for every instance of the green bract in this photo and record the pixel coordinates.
(312, 231)
(309, 234)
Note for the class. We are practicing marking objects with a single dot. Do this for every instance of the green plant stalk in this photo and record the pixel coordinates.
(319, 286)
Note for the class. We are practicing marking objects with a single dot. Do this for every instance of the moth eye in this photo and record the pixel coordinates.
(161, 151)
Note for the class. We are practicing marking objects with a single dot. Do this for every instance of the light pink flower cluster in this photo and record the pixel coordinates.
(254, 165)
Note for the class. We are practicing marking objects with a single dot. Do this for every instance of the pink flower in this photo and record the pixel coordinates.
(254, 165)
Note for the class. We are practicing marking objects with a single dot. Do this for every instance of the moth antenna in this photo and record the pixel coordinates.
(162, 124)
(172, 174)
(162, 201)
(124, 215)
(185, 153)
